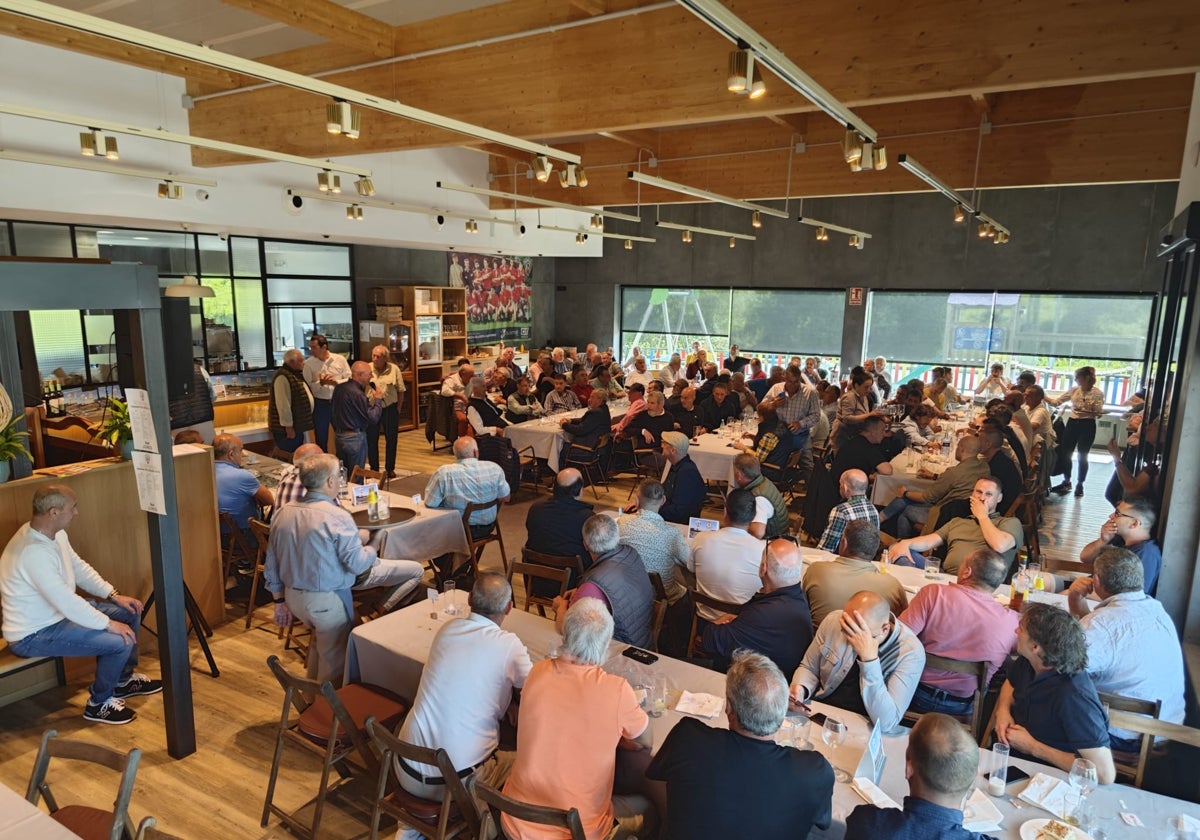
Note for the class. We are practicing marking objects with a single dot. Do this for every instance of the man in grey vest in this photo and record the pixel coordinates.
(290, 404)
(770, 511)
(618, 579)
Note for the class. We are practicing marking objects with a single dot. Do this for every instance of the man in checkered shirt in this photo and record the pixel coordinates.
(853, 487)
(798, 405)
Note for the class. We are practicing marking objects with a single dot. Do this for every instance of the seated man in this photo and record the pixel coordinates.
(853, 488)
(312, 561)
(561, 398)
(638, 375)
(909, 511)
(1048, 709)
(483, 414)
(726, 562)
(455, 385)
(770, 511)
(772, 443)
(44, 616)
(684, 486)
(941, 762)
(1131, 526)
(1002, 466)
(719, 408)
(468, 481)
(587, 430)
(739, 390)
(672, 373)
(775, 622)
(618, 580)
(739, 782)
(290, 488)
(1132, 645)
(686, 413)
(637, 405)
(829, 585)
(862, 451)
(523, 405)
(473, 669)
(984, 528)
(606, 384)
(555, 525)
(239, 492)
(661, 546)
(961, 621)
(862, 660)
(647, 428)
(573, 716)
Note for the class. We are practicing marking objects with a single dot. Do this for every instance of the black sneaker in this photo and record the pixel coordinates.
(1061, 489)
(1078, 491)
(137, 685)
(112, 712)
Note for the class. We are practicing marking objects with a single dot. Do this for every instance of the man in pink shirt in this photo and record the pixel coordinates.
(961, 621)
(573, 717)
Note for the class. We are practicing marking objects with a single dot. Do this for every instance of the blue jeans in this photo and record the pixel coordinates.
(288, 444)
(352, 449)
(910, 516)
(322, 417)
(930, 699)
(115, 657)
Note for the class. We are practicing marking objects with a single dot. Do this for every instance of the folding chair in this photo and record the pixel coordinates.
(476, 545)
(235, 549)
(529, 573)
(262, 533)
(329, 724)
(361, 475)
(497, 803)
(587, 460)
(88, 822)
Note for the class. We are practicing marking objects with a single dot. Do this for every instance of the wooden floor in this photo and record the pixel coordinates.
(217, 792)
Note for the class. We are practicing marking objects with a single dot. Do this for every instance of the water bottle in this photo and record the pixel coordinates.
(946, 445)
(373, 506)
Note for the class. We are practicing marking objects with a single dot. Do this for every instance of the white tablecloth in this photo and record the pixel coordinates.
(714, 457)
(19, 820)
(546, 436)
(391, 651)
(430, 533)
(904, 472)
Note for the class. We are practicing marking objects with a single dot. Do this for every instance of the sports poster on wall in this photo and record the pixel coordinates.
(498, 295)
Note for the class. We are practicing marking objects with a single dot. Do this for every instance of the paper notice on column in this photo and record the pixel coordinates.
(147, 469)
(141, 420)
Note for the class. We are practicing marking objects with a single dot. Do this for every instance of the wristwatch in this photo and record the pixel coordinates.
(112, 595)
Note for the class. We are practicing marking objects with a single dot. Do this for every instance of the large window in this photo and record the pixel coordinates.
(772, 324)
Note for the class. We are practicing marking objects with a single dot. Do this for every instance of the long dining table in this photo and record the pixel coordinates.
(545, 434)
(392, 651)
(22, 820)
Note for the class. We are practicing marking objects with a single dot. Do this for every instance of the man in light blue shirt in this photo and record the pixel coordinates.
(660, 544)
(239, 492)
(1133, 649)
(468, 480)
(312, 560)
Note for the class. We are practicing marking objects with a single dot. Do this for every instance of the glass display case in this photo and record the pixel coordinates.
(429, 339)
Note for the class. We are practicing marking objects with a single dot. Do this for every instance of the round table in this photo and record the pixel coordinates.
(397, 516)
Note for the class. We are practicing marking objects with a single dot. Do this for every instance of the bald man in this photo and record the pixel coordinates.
(862, 660)
(555, 525)
(853, 487)
(356, 407)
(290, 403)
(289, 488)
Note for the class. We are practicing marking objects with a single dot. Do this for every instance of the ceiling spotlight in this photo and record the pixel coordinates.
(852, 147)
(87, 142)
(335, 184)
(580, 238)
(110, 148)
(323, 180)
(853, 240)
(358, 213)
(986, 230)
(580, 176)
(739, 71)
(542, 168)
(563, 179)
(350, 211)
(628, 244)
(756, 219)
(822, 235)
(758, 89)
(879, 159)
(340, 118)
(687, 236)
(732, 242)
(960, 215)
(1001, 238)
(364, 186)
(472, 226)
(171, 190)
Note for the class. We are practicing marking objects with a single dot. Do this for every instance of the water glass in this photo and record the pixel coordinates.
(933, 567)
(998, 777)
(448, 594)
(656, 698)
(383, 507)
(1073, 808)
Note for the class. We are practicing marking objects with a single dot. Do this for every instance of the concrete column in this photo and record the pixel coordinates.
(854, 331)
(1189, 173)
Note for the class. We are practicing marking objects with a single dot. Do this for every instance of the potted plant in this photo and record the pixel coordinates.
(115, 430)
(12, 442)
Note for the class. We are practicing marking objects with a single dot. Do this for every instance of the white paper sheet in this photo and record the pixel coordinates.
(141, 420)
(147, 469)
(699, 704)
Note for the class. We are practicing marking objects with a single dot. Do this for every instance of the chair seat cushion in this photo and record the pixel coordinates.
(361, 701)
(84, 820)
(425, 810)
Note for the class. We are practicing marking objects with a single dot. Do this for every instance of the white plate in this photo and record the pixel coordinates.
(1030, 829)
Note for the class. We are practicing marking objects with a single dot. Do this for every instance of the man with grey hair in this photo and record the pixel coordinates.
(909, 511)
(356, 407)
(1132, 647)
(468, 480)
(683, 485)
(474, 670)
(387, 379)
(290, 488)
(573, 717)
(763, 790)
(290, 403)
(672, 373)
(313, 558)
(864, 660)
(940, 764)
(853, 487)
(661, 546)
(44, 616)
(770, 510)
(775, 622)
(617, 579)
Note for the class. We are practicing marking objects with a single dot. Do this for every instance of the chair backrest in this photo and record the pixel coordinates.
(571, 562)
(233, 540)
(147, 830)
(498, 804)
(656, 581)
(390, 746)
(124, 763)
(700, 599)
(365, 474)
(658, 616)
(473, 507)
(977, 669)
(529, 572)
(1132, 707)
(262, 533)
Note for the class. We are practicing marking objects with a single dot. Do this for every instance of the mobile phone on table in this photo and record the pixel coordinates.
(818, 718)
(1015, 774)
(639, 655)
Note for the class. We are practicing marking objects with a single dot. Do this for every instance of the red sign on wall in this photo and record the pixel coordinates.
(856, 295)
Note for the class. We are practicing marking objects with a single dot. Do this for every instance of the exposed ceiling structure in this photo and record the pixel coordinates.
(1003, 94)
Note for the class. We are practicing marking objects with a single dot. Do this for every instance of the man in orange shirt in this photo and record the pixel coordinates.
(573, 717)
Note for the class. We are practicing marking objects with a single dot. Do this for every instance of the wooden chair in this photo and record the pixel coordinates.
(573, 563)
(148, 830)
(88, 822)
(497, 803)
(235, 548)
(476, 545)
(587, 460)
(1131, 766)
(454, 815)
(361, 475)
(528, 461)
(262, 533)
(329, 724)
(699, 599)
(786, 478)
(976, 669)
(530, 573)
(660, 608)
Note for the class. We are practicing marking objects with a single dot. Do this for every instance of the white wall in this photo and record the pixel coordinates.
(1189, 171)
(248, 199)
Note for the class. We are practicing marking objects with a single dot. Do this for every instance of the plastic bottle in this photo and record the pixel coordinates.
(373, 506)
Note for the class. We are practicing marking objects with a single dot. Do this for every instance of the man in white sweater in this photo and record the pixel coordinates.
(43, 615)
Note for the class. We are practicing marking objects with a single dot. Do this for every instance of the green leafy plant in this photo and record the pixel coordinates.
(12, 443)
(114, 429)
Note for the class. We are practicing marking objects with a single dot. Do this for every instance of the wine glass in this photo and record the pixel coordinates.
(833, 733)
(1083, 776)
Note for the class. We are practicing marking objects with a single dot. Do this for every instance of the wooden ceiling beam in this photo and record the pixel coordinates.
(327, 19)
(592, 8)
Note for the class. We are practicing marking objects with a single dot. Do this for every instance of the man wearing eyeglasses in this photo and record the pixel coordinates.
(1130, 526)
